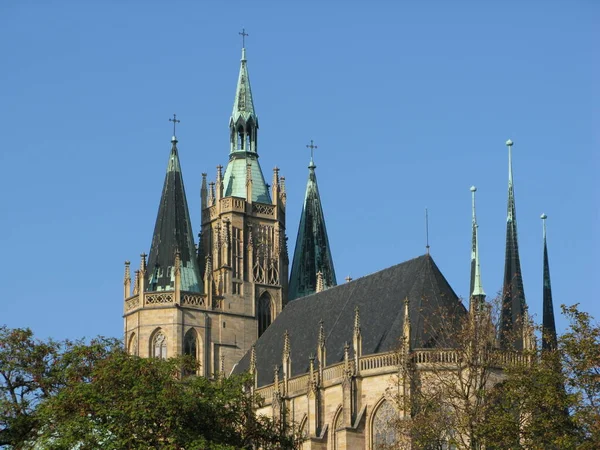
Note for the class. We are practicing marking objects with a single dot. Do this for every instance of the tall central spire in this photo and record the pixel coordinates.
(243, 142)
(548, 324)
(513, 296)
(312, 255)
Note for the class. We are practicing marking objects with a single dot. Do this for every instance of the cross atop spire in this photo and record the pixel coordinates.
(243, 34)
(312, 147)
(175, 122)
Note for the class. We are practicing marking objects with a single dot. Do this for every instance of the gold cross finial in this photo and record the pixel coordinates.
(243, 34)
(175, 122)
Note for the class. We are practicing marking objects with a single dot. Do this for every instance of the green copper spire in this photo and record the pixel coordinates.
(548, 324)
(243, 131)
(312, 254)
(172, 233)
(513, 295)
(476, 286)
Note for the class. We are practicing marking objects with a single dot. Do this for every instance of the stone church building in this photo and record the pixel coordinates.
(324, 357)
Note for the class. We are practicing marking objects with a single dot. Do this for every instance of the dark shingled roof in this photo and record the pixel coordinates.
(379, 298)
(173, 231)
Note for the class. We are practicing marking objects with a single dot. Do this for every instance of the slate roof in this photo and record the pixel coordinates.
(379, 297)
(173, 230)
(513, 294)
(312, 253)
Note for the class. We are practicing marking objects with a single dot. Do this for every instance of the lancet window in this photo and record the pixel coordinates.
(264, 312)
(384, 429)
(159, 345)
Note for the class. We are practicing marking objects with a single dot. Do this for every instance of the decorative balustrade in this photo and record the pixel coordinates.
(298, 384)
(379, 361)
(435, 355)
(264, 209)
(132, 302)
(190, 299)
(158, 298)
(391, 360)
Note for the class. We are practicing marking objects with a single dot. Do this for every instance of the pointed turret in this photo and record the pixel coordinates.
(513, 295)
(477, 295)
(548, 324)
(312, 254)
(172, 234)
(243, 126)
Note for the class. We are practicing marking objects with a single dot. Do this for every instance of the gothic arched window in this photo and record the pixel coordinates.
(384, 426)
(132, 345)
(264, 313)
(190, 344)
(159, 345)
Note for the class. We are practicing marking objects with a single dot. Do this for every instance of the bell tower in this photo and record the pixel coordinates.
(213, 301)
(242, 251)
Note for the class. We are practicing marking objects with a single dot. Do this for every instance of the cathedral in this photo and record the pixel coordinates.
(324, 357)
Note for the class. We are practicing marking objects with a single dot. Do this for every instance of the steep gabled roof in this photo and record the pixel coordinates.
(379, 297)
(312, 253)
(172, 232)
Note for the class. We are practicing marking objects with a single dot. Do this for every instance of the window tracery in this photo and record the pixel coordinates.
(159, 345)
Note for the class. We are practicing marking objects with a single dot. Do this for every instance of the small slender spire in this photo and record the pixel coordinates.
(286, 345)
(312, 254)
(476, 287)
(548, 324)
(513, 294)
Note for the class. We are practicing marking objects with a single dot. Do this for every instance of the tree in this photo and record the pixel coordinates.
(94, 395)
(449, 382)
(580, 353)
(474, 396)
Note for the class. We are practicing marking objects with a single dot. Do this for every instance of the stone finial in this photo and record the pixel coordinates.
(275, 183)
(143, 263)
(127, 281)
(320, 285)
(286, 345)
(211, 193)
(127, 277)
(136, 283)
(208, 268)
(356, 320)
(219, 173)
(346, 356)
(177, 262)
(282, 192)
(248, 173)
(406, 326)
(276, 378)
(321, 334)
(253, 359)
(203, 192)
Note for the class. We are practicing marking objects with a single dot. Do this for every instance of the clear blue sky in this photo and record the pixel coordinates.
(409, 102)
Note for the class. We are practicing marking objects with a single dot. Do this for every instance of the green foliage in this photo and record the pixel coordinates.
(89, 396)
